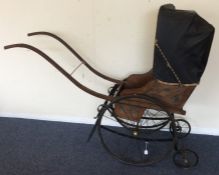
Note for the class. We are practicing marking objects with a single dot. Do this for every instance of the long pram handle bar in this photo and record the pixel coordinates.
(74, 81)
(60, 69)
(76, 55)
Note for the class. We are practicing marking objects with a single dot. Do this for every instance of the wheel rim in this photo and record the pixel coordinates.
(183, 128)
(130, 149)
(185, 158)
(151, 120)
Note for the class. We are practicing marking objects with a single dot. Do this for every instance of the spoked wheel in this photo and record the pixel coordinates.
(131, 143)
(151, 121)
(140, 113)
(183, 128)
(185, 158)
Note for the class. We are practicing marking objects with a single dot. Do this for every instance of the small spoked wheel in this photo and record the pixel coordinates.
(185, 158)
(130, 141)
(182, 128)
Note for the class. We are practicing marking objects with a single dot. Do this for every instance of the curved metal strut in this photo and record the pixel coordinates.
(76, 55)
(60, 69)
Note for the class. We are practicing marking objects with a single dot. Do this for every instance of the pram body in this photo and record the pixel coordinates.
(144, 104)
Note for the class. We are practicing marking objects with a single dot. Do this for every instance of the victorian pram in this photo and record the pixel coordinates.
(145, 104)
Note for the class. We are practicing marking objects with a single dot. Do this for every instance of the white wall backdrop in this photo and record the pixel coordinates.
(114, 36)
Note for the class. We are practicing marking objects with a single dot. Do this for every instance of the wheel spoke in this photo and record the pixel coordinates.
(185, 158)
(127, 146)
(183, 128)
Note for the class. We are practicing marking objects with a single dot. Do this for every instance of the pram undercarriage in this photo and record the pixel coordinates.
(144, 104)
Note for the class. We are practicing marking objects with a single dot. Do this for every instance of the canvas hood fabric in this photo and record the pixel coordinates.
(185, 40)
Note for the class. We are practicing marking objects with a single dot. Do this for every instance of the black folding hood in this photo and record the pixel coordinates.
(183, 42)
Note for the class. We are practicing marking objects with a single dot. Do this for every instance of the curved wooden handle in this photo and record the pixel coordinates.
(60, 69)
(76, 55)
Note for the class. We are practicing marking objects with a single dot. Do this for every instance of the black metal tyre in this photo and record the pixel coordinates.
(151, 121)
(130, 148)
(146, 124)
(183, 128)
(185, 158)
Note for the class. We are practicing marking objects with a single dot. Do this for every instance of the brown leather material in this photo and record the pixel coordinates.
(173, 97)
(130, 109)
(134, 108)
(138, 80)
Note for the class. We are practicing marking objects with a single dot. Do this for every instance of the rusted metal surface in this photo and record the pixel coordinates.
(76, 55)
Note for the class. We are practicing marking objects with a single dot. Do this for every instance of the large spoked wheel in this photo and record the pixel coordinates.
(151, 121)
(134, 143)
(183, 128)
(139, 113)
(185, 158)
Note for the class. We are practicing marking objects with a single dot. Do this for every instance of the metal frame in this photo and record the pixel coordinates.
(76, 55)
(112, 98)
(61, 70)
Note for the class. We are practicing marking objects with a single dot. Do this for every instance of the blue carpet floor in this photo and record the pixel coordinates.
(31, 147)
